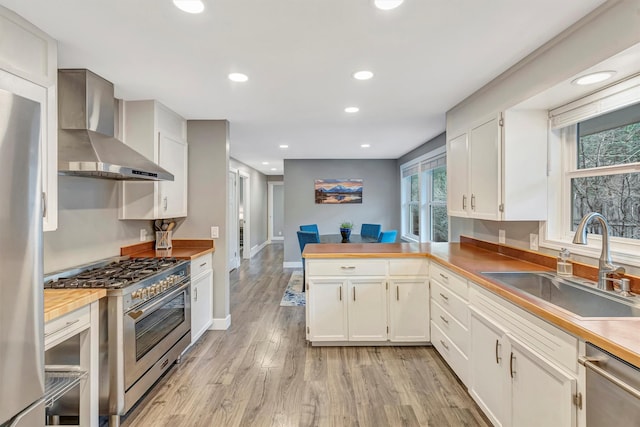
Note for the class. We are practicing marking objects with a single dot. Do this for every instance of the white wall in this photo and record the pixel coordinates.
(258, 195)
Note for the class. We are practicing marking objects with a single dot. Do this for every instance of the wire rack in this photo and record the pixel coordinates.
(59, 379)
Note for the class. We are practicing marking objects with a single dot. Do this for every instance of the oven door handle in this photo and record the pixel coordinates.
(136, 314)
(591, 363)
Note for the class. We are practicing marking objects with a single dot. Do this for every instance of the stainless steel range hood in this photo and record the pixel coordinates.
(86, 146)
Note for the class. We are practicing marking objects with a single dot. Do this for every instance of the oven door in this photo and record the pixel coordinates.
(152, 329)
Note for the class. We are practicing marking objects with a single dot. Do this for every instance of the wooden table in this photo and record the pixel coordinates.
(354, 238)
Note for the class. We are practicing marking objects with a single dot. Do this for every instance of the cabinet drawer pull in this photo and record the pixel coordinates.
(65, 326)
(44, 204)
(444, 344)
(195, 294)
(203, 264)
(444, 319)
(444, 277)
(511, 359)
(497, 354)
(348, 267)
(444, 297)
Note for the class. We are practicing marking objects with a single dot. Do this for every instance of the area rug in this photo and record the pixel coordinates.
(293, 295)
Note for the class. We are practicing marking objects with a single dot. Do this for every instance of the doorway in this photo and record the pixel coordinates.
(276, 210)
(244, 216)
(232, 214)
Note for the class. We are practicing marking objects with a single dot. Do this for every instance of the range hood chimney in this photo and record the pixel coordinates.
(86, 146)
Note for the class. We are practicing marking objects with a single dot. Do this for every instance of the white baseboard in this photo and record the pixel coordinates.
(258, 248)
(221, 324)
(292, 264)
(277, 238)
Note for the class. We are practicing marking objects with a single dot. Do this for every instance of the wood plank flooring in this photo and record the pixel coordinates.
(260, 372)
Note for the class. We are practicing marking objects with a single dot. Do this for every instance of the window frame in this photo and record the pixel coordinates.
(424, 202)
(556, 231)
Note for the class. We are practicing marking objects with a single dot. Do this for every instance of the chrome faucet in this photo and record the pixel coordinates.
(605, 266)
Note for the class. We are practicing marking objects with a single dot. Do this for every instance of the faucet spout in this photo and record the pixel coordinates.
(605, 265)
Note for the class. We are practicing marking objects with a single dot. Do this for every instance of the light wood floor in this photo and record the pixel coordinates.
(261, 372)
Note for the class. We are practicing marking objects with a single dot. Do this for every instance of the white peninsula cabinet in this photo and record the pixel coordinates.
(160, 135)
(201, 295)
(497, 167)
(367, 301)
(29, 68)
(523, 371)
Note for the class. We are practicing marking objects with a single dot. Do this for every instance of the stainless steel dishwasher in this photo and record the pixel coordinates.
(612, 390)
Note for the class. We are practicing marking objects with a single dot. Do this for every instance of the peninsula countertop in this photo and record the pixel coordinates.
(616, 335)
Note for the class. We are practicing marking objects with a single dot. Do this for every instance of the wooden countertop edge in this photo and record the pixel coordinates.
(578, 326)
(207, 246)
(58, 302)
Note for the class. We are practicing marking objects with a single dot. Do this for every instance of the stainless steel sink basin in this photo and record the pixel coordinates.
(579, 298)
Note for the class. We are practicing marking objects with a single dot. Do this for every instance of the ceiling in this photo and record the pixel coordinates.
(426, 56)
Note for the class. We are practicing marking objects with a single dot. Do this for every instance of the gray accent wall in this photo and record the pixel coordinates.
(258, 194)
(208, 192)
(380, 204)
(278, 210)
(88, 225)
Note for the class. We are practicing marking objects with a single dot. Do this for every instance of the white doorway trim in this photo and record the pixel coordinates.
(232, 231)
(270, 203)
(246, 214)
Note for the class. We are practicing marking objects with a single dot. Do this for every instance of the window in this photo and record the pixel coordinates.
(424, 201)
(595, 167)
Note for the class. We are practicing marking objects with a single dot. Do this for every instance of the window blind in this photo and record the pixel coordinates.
(433, 163)
(411, 170)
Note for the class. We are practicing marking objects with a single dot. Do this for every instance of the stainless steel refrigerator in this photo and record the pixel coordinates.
(21, 290)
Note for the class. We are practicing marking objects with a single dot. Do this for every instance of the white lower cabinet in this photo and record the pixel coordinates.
(367, 301)
(522, 373)
(201, 296)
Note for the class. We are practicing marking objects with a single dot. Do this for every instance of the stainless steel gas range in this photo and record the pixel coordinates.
(145, 324)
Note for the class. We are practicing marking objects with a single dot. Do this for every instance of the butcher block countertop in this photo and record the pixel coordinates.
(470, 257)
(182, 249)
(58, 302)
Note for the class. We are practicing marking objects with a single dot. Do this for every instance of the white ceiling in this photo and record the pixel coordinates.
(427, 56)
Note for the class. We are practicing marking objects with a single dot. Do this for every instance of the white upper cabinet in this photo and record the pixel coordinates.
(160, 135)
(29, 68)
(497, 167)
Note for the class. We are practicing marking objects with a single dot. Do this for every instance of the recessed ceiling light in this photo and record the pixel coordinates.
(589, 79)
(265, 163)
(274, 169)
(387, 4)
(365, 145)
(189, 6)
(238, 77)
(362, 75)
(284, 146)
(351, 110)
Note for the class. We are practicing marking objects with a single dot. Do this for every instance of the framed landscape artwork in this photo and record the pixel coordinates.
(338, 191)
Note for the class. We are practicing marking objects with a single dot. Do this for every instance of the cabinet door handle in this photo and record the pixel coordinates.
(195, 294)
(511, 359)
(444, 319)
(444, 297)
(397, 293)
(340, 293)
(473, 202)
(44, 204)
(444, 277)
(354, 294)
(348, 267)
(497, 354)
(464, 201)
(164, 201)
(444, 344)
(62, 328)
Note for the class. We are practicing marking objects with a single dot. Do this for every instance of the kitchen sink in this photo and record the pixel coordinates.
(578, 297)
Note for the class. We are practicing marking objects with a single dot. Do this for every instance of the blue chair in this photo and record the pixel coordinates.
(388, 236)
(305, 237)
(370, 230)
(311, 227)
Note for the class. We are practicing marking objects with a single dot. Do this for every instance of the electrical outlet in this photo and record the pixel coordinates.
(143, 235)
(279, 233)
(533, 242)
(215, 232)
(502, 236)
